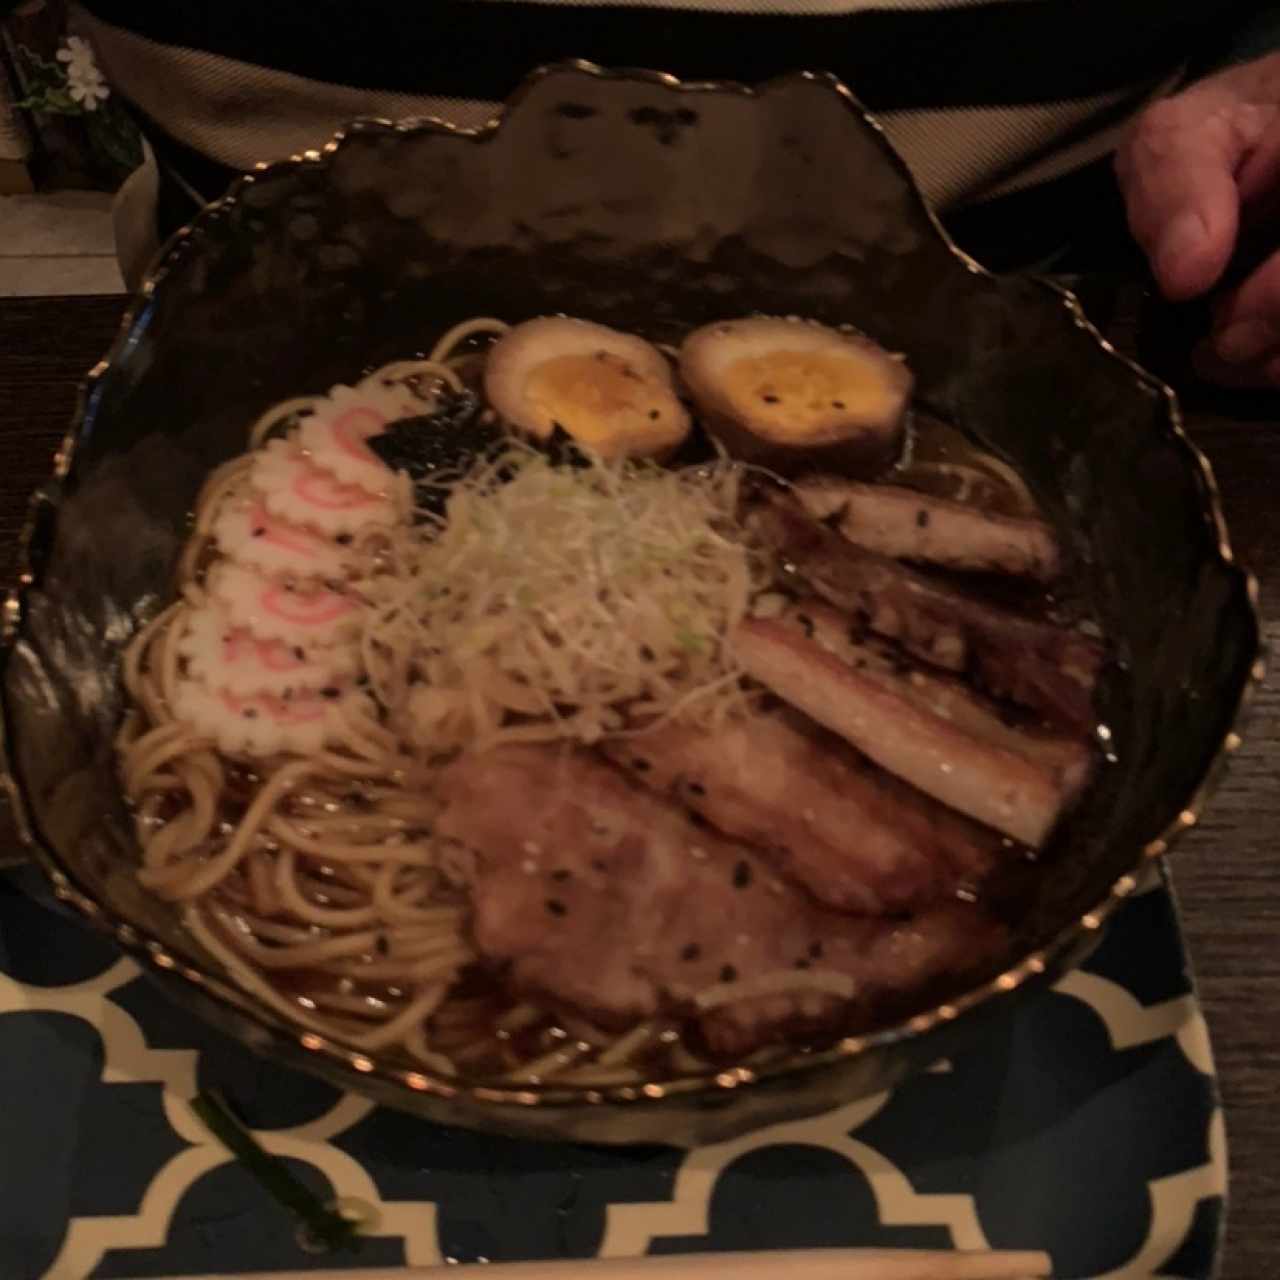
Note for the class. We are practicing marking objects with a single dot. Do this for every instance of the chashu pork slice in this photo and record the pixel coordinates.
(600, 897)
(856, 837)
(910, 525)
(987, 781)
(1050, 669)
(1066, 756)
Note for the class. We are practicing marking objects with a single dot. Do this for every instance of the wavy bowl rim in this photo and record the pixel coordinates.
(139, 944)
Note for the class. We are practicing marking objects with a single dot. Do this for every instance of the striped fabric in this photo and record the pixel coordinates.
(982, 97)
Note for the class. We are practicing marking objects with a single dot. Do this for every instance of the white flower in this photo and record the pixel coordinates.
(87, 87)
(77, 52)
(85, 83)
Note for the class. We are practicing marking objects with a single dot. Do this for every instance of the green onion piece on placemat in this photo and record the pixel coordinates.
(324, 1225)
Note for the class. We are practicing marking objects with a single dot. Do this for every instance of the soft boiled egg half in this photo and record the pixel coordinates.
(610, 392)
(795, 395)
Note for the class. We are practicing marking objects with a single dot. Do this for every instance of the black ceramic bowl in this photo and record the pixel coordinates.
(654, 206)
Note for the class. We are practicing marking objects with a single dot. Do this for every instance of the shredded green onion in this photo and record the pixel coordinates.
(562, 603)
(330, 1228)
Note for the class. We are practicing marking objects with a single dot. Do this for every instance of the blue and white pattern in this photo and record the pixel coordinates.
(1090, 1128)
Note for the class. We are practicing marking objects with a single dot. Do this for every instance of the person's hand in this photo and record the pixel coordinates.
(1196, 170)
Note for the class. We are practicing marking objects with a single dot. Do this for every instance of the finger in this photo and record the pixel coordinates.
(1258, 182)
(1261, 374)
(1259, 176)
(1177, 176)
(1252, 306)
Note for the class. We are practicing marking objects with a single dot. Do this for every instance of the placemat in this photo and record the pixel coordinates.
(1090, 1127)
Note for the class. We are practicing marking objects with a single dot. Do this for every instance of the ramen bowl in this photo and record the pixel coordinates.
(652, 206)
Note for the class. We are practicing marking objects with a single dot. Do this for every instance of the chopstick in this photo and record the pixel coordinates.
(806, 1264)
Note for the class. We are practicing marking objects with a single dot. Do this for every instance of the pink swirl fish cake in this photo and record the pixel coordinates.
(265, 725)
(335, 435)
(231, 659)
(248, 533)
(296, 489)
(296, 613)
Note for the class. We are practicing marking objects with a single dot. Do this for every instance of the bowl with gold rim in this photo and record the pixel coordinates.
(652, 206)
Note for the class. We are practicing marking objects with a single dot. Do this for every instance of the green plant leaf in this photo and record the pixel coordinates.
(114, 135)
(35, 63)
(272, 1174)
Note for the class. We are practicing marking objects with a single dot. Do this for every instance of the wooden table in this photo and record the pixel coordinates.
(1228, 870)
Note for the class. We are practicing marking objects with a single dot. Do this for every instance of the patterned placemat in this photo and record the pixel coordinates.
(1090, 1127)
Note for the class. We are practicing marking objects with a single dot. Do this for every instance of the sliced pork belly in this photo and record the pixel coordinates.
(987, 782)
(910, 525)
(854, 836)
(1067, 757)
(1049, 669)
(608, 899)
(886, 960)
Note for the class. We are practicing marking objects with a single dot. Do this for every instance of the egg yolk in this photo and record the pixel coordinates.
(601, 401)
(807, 393)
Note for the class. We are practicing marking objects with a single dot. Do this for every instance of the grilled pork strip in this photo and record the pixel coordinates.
(857, 838)
(1049, 669)
(1068, 758)
(903, 523)
(986, 782)
(610, 900)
